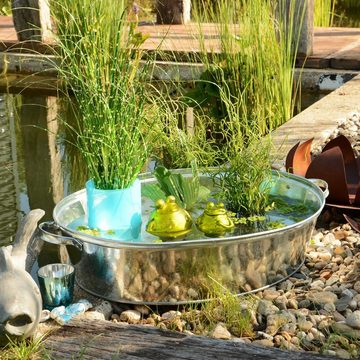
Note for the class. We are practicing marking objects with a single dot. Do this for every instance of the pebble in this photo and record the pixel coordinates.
(220, 332)
(130, 316)
(263, 342)
(353, 320)
(343, 303)
(170, 315)
(266, 307)
(322, 298)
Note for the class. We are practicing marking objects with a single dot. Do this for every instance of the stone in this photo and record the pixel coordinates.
(281, 302)
(264, 335)
(220, 332)
(170, 315)
(269, 294)
(263, 342)
(115, 317)
(321, 298)
(357, 286)
(193, 294)
(338, 317)
(332, 280)
(343, 303)
(304, 325)
(105, 308)
(353, 320)
(343, 354)
(130, 316)
(346, 330)
(266, 308)
(150, 273)
(317, 284)
(93, 315)
(142, 309)
(292, 304)
(330, 307)
(304, 303)
(328, 239)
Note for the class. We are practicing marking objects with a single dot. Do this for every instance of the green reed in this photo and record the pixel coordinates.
(324, 13)
(101, 66)
(257, 57)
(248, 88)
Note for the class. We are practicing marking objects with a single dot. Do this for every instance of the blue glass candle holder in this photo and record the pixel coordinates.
(56, 285)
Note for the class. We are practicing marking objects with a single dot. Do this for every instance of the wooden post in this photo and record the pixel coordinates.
(306, 41)
(32, 20)
(303, 23)
(173, 11)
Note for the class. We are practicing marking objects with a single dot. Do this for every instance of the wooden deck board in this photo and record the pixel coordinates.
(338, 48)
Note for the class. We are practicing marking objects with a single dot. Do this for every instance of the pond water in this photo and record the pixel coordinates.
(34, 172)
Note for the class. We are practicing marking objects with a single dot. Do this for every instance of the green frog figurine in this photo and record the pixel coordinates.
(169, 220)
(214, 221)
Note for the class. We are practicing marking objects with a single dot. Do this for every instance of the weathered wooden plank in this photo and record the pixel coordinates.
(106, 340)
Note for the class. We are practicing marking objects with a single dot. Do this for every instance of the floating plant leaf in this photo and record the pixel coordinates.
(153, 192)
(187, 190)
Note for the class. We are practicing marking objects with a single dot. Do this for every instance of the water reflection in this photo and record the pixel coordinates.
(30, 156)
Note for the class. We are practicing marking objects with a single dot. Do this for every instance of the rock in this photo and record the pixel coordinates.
(130, 316)
(269, 294)
(263, 342)
(193, 294)
(346, 330)
(330, 308)
(264, 335)
(343, 303)
(328, 239)
(338, 317)
(275, 322)
(332, 280)
(353, 320)
(292, 304)
(343, 354)
(92, 315)
(150, 273)
(115, 317)
(304, 325)
(142, 309)
(319, 299)
(104, 308)
(151, 321)
(266, 308)
(170, 315)
(281, 302)
(357, 286)
(220, 332)
(317, 284)
(304, 303)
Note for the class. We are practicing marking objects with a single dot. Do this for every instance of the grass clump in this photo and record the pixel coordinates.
(26, 349)
(235, 313)
(100, 65)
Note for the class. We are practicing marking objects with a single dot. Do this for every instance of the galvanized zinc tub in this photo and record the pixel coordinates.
(153, 272)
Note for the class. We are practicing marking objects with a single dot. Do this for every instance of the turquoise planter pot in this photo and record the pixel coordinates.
(116, 210)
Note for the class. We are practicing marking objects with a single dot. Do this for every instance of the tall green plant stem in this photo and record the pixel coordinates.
(101, 55)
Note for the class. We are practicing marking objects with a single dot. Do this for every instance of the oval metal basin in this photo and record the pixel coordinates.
(150, 271)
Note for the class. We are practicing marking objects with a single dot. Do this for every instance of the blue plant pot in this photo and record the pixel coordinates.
(117, 210)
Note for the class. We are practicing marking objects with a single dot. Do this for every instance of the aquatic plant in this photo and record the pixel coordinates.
(100, 65)
(255, 60)
(324, 13)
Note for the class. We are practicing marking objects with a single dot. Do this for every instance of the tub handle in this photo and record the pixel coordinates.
(322, 184)
(52, 233)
